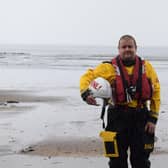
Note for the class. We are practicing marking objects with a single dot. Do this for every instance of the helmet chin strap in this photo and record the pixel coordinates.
(103, 112)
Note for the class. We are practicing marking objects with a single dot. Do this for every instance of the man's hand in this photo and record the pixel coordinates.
(91, 100)
(88, 98)
(150, 127)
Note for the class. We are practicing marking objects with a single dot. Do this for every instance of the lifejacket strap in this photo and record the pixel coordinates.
(125, 83)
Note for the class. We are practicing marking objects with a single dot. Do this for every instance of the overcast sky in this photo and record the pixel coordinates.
(83, 22)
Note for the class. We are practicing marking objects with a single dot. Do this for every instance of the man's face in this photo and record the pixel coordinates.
(127, 49)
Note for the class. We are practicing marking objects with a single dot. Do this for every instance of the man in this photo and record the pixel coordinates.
(135, 84)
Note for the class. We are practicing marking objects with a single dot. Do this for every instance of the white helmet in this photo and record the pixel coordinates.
(100, 88)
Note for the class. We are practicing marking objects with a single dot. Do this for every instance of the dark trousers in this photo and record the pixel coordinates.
(129, 123)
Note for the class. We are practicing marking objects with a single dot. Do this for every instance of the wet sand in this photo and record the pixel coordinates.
(73, 147)
(28, 96)
(67, 147)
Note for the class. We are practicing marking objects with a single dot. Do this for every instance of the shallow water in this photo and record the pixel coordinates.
(70, 57)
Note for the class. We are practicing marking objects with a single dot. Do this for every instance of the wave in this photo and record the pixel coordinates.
(13, 53)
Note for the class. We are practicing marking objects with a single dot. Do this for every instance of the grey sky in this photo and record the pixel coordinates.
(78, 22)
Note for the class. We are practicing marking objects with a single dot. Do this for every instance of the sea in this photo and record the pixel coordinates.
(70, 57)
(53, 65)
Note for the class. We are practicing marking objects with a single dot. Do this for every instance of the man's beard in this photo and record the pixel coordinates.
(128, 56)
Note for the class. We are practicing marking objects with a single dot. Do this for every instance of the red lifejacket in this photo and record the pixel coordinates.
(138, 80)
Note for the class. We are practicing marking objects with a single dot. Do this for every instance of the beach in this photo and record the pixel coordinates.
(45, 123)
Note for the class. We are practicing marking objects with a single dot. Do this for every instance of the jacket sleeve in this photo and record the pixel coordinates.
(155, 99)
(104, 70)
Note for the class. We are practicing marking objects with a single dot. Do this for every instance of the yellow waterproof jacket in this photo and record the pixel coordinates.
(107, 71)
